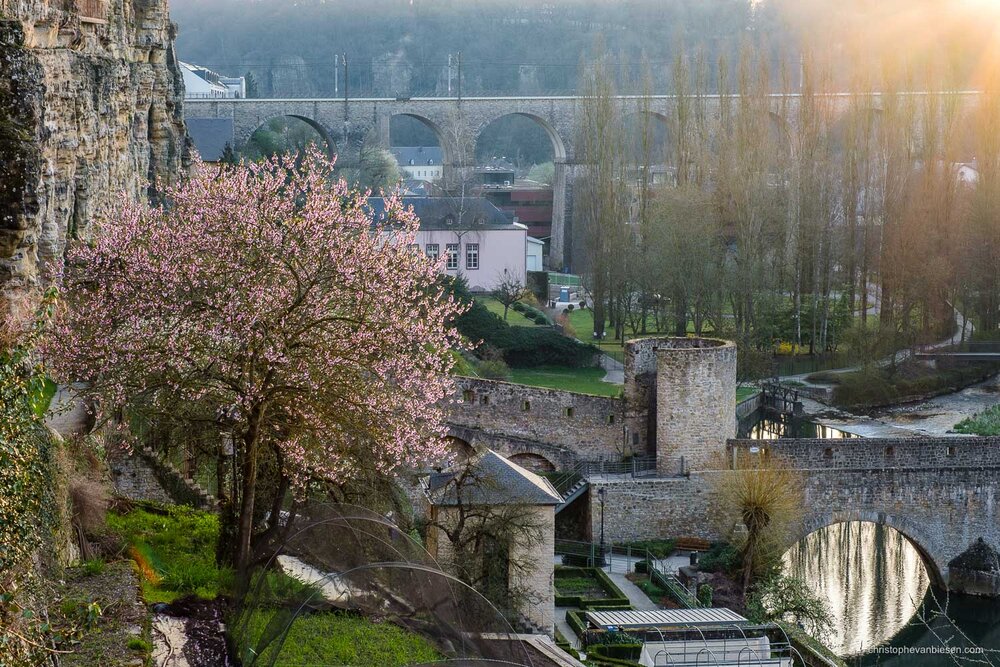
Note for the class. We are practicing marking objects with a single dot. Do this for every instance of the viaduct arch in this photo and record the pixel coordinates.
(347, 123)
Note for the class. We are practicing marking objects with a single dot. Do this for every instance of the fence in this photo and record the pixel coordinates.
(625, 560)
(637, 466)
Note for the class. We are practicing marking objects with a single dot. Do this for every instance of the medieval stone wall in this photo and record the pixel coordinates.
(589, 426)
(90, 109)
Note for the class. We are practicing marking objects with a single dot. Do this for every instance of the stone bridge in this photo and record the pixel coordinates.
(943, 494)
(345, 124)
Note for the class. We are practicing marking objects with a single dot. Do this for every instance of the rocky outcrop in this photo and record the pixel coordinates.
(90, 109)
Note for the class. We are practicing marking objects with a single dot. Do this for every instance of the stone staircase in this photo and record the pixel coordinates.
(572, 493)
(182, 488)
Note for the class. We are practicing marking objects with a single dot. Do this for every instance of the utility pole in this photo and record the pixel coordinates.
(347, 127)
(336, 74)
(459, 84)
(449, 74)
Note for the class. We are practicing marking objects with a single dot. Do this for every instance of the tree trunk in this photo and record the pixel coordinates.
(247, 493)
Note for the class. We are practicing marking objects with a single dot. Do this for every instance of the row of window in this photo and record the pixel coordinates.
(433, 250)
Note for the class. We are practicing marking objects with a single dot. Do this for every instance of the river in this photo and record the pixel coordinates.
(878, 590)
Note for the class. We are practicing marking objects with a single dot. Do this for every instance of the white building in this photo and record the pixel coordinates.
(424, 163)
(534, 255)
(202, 83)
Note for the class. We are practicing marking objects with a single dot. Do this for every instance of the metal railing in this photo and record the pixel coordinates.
(623, 560)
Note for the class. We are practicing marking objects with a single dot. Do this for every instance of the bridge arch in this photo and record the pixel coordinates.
(321, 130)
(448, 148)
(559, 152)
(915, 534)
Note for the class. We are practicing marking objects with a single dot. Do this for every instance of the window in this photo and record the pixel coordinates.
(484, 399)
(471, 256)
(433, 250)
(827, 453)
(452, 250)
(526, 406)
(415, 247)
(468, 396)
(568, 411)
(611, 420)
(951, 451)
(889, 452)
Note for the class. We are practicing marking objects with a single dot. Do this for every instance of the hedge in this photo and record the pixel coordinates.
(618, 600)
(521, 347)
(614, 654)
(575, 620)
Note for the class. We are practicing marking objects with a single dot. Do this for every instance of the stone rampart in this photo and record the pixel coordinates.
(591, 427)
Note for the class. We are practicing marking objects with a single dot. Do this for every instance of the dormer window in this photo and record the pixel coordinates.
(449, 219)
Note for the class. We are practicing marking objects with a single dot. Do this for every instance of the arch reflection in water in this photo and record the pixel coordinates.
(872, 578)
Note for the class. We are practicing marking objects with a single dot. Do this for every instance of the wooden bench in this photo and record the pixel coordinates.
(691, 544)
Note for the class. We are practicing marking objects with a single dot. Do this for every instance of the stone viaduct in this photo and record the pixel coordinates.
(678, 405)
(345, 124)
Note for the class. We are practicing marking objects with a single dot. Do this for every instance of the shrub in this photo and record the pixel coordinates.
(867, 387)
(983, 423)
(721, 557)
(825, 377)
(569, 308)
(494, 370)
(526, 347)
(522, 347)
(541, 318)
(583, 305)
(705, 595)
(90, 504)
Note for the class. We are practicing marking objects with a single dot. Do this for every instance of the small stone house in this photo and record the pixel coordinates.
(487, 487)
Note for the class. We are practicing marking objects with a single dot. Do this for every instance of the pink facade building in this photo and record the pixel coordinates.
(471, 236)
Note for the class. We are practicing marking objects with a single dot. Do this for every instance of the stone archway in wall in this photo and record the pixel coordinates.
(321, 130)
(461, 449)
(533, 462)
(937, 566)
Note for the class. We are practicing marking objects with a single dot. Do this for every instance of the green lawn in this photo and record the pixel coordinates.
(514, 318)
(175, 552)
(580, 380)
(743, 393)
(333, 638)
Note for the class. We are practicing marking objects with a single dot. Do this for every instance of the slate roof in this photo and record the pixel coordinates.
(413, 156)
(445, 213)
(210, 136)
(491, 480)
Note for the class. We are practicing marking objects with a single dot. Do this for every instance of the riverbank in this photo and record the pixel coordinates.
(935, 416)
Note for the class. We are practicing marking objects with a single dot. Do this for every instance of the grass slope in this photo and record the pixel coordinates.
(580, 380)
(334, 638)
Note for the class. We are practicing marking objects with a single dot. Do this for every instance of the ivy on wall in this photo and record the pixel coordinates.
(26, 502)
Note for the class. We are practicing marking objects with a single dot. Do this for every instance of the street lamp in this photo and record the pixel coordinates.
(601, 497)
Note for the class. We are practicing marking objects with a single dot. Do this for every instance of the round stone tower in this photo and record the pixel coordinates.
(695, 402)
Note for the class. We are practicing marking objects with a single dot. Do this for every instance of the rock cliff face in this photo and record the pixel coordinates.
(90, 108)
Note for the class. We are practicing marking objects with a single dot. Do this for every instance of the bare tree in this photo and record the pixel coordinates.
(508, 290)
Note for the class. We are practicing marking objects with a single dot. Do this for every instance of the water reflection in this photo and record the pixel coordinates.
(871, 576)
(765, 425)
